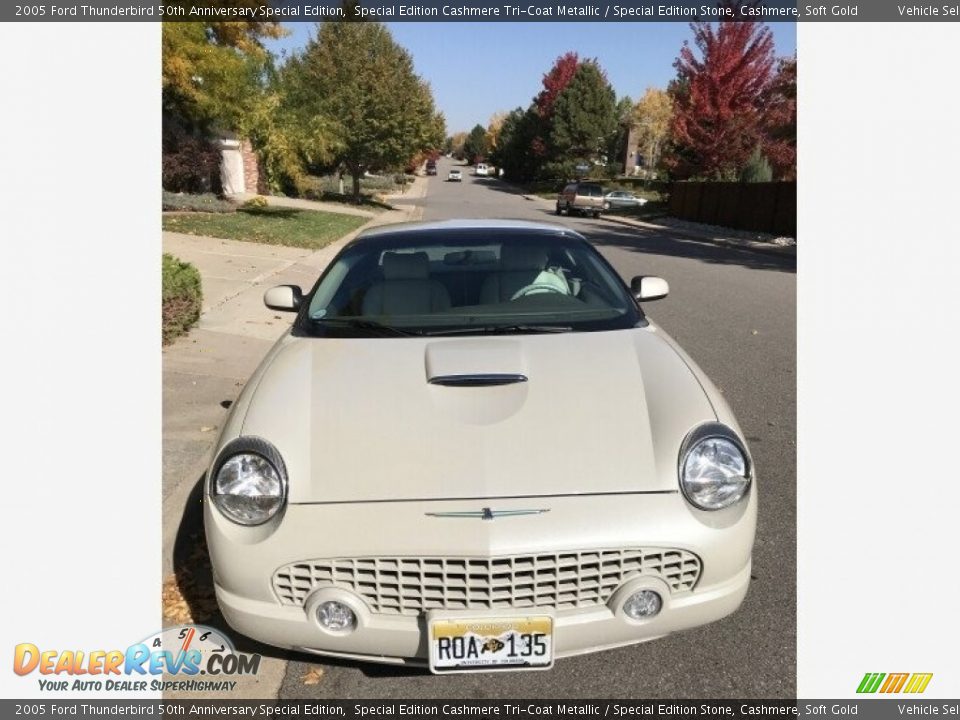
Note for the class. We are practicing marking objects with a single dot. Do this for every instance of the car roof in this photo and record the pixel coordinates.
(466, 224)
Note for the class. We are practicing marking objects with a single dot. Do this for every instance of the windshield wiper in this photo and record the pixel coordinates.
(372, 325)
(503, 330)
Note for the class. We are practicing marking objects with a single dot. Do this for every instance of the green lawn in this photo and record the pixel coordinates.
(271, 226)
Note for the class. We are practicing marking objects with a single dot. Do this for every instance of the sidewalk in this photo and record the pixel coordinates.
(205, 370)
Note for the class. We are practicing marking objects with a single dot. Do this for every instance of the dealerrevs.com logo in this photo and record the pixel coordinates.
(173, 659)
(894, 682)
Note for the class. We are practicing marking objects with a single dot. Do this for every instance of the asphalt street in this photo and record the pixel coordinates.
(734, 312)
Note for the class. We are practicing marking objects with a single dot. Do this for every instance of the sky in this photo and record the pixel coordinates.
(477, 69)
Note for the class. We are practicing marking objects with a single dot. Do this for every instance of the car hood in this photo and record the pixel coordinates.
(359, 420)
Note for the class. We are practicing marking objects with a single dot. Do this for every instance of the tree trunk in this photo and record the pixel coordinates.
(356, 172)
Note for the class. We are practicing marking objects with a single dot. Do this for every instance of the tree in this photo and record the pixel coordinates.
(458, 142)
(211, 70)
(718, 97)
(355, 76)
(651, 119)
(494, 129)
(584, 118)
(513, 152)
(475, 148)
(555, 81)
(215, 76)
(781, 120)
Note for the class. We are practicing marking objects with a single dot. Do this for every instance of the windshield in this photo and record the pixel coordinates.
(472, 281)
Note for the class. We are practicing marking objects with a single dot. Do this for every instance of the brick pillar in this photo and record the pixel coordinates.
(251, 168)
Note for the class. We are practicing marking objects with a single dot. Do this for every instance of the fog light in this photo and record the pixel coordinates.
(336, 617)
(643, 604)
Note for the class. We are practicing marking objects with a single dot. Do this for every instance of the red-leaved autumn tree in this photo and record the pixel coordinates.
(554, 82)
(780, 106)
(719, 113)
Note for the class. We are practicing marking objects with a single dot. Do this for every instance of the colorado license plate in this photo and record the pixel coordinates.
(491, 643)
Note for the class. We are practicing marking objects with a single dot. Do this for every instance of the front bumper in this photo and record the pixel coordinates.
(402, 639)
(246, 559)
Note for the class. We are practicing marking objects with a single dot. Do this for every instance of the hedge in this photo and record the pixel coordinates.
(182, 297)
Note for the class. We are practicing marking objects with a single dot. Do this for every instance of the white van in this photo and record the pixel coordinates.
(481, 169)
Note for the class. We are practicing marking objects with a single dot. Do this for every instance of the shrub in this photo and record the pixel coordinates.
(757, 169)
(190, 164)
(182, 297)
(255, 203)
(206, 202)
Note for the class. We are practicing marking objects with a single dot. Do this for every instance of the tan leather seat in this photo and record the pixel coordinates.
(406, 288)
(520, 266)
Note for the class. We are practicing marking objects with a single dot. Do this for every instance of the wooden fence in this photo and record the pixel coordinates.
(764, 207)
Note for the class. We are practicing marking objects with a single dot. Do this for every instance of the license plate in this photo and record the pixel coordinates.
(463, 644)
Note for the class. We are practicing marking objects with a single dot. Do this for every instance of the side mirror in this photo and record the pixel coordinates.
(649, 287)
(285, 298)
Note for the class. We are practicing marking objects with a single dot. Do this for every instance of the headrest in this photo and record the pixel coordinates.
(523, 257)
(406, 266)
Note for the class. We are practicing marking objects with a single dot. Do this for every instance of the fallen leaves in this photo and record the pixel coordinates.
(176, 609)
(187, 595)
(312, 677)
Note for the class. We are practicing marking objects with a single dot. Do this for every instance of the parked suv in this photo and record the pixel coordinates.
(431, 167)
(582, 197)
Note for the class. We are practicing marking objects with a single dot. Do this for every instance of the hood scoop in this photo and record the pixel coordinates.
(477, 379)
(475, 362)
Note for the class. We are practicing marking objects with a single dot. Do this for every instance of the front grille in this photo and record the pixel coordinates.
(411, 585)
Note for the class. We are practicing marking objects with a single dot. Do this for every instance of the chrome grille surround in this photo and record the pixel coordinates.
(559, 580)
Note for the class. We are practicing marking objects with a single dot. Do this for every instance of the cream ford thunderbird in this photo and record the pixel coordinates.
(472, 450)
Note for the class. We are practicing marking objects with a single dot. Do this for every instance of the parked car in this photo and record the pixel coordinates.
(482, 170)
(582, 197)
(550, 475)
(431, 167)
(455, 176)
(622, 198)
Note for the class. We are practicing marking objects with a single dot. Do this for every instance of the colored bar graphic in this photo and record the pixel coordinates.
(870, 682)
(918, 682)
(895, 682)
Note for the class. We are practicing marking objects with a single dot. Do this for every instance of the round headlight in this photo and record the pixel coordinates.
(248, 488)
(714, 472)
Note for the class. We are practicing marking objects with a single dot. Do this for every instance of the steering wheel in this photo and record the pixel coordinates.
(536, 289)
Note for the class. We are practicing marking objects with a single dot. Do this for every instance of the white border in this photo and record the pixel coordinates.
(878, 359)
(80, 369)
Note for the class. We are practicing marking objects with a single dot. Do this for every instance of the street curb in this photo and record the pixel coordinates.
(786, 251)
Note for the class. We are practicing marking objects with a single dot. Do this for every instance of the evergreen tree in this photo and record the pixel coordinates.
(584, 118)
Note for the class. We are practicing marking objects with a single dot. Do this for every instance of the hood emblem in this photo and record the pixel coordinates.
(487, 513)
